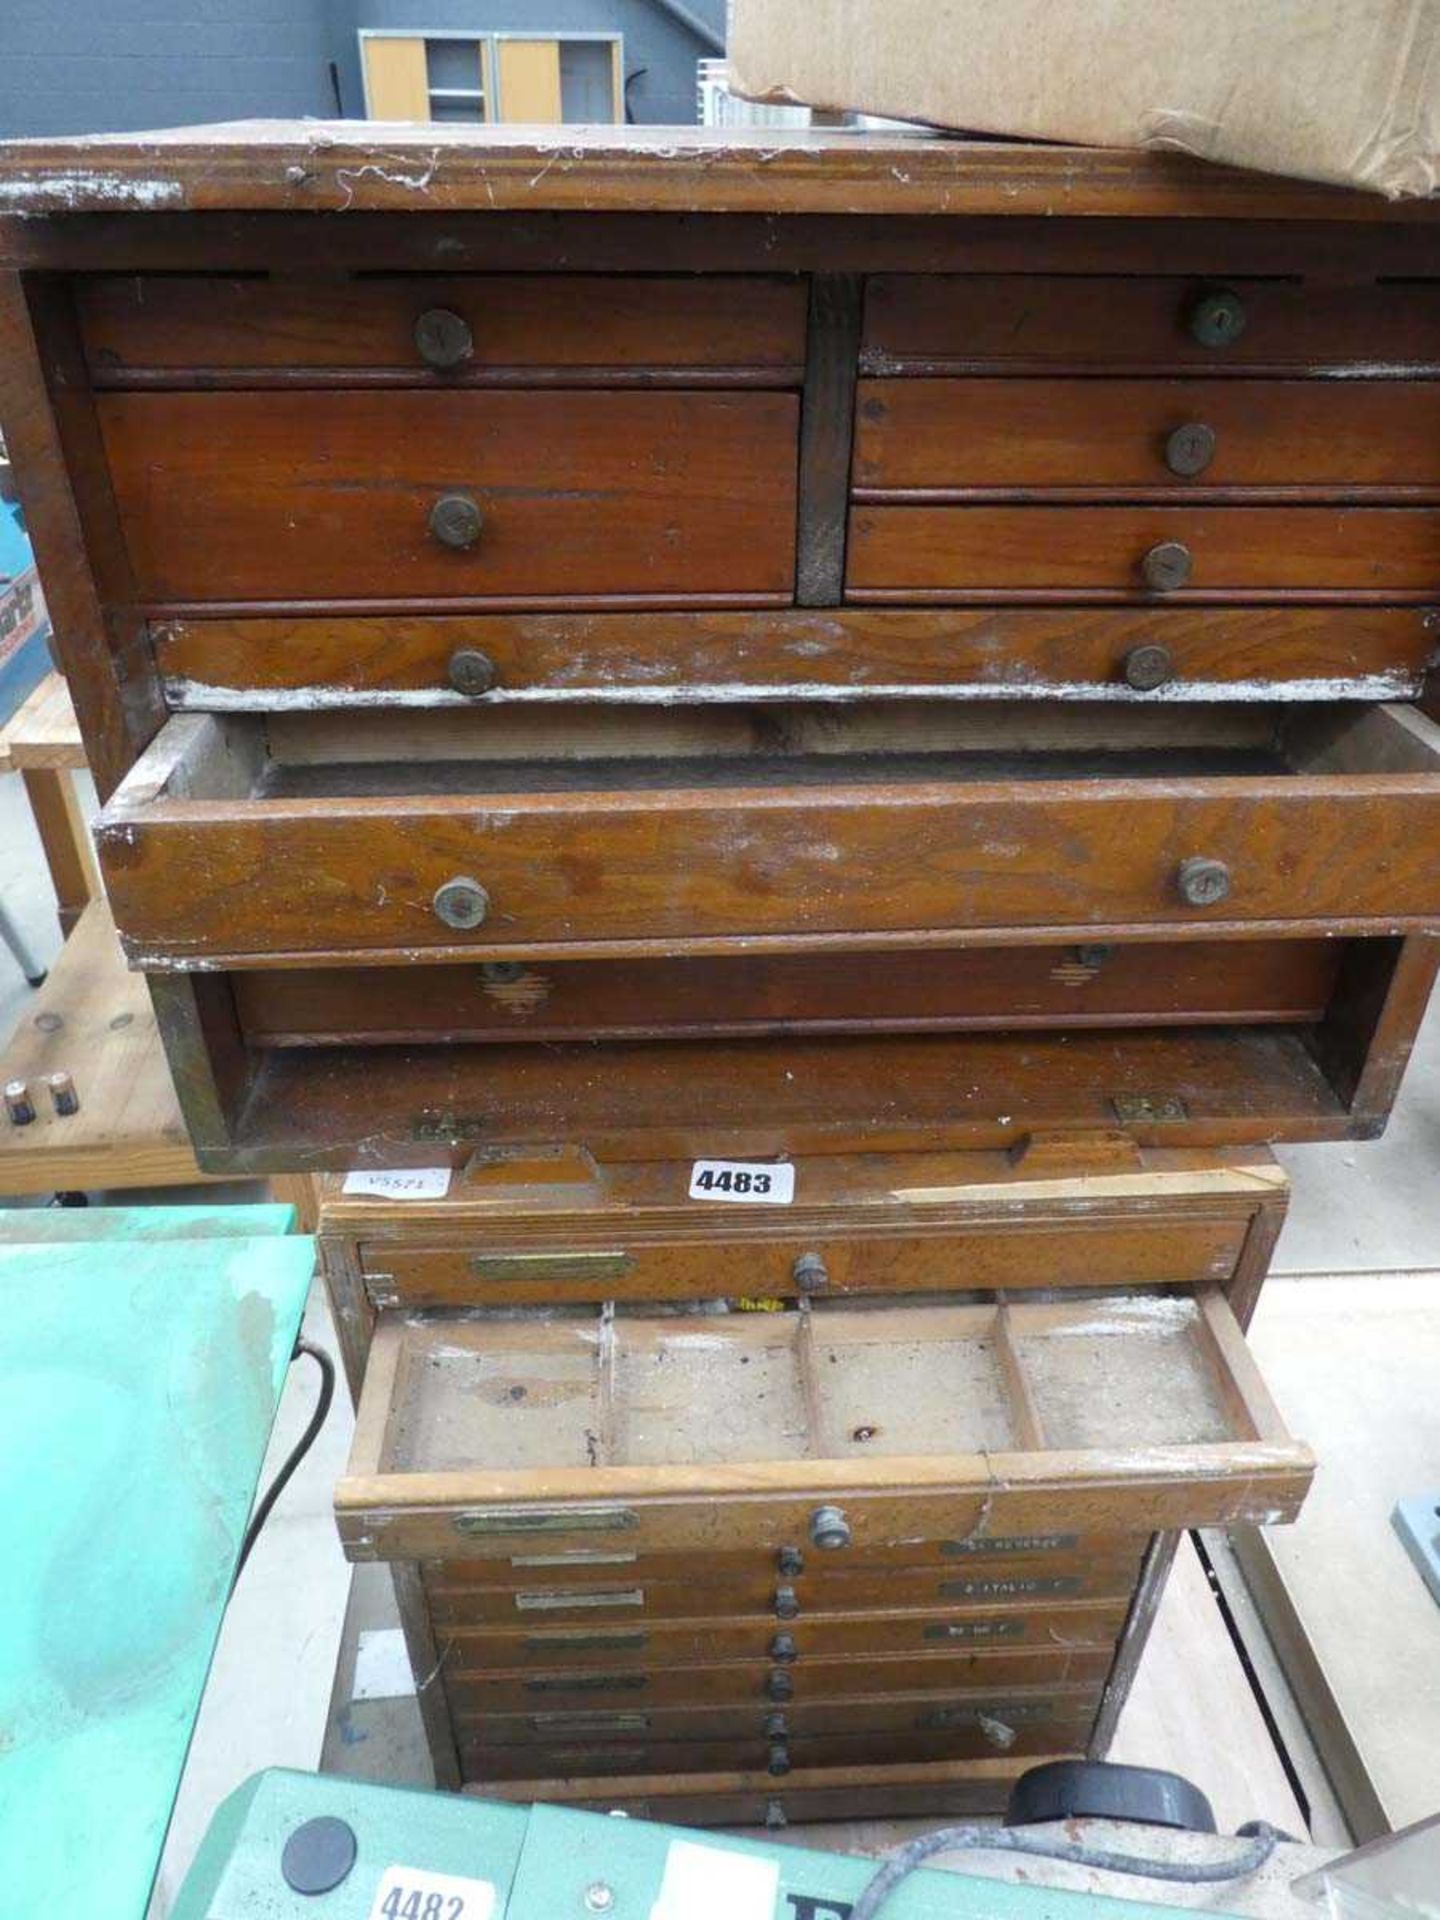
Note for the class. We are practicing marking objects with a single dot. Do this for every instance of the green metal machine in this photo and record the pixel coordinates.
(292, 1846)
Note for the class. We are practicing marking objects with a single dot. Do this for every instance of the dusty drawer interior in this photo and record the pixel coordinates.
(551, 1412)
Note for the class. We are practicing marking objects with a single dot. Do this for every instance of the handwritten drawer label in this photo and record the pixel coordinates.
(401, 1183)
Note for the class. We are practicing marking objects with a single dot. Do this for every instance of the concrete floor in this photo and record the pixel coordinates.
(1355, 1207)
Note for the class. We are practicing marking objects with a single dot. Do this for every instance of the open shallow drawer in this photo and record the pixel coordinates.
(833, 1429)
(241, 840)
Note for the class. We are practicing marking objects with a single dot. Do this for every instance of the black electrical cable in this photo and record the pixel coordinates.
(297, 1452)
(1015, 1840)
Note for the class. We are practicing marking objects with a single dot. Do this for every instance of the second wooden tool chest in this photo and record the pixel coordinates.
(753, 1512)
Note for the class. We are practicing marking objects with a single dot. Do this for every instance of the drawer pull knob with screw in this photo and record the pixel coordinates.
(1217, 318)
(443, 339)
(829, 1529)
(456, 520)
(472, 672)
(461, 903)
(1167, 566)
(1202, 882)
(1147, 668)
(1190, 449)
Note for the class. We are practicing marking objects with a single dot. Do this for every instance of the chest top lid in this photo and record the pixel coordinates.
(359, 166)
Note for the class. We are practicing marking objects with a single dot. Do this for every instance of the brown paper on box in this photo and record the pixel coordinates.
(1339, 90)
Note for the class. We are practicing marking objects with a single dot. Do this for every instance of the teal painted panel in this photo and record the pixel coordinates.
(543, 1861)
(59, 1226)
(236, 1875)
(566, 1851)
(138, 1385)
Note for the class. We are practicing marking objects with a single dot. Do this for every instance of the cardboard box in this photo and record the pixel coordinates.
(1340, 90)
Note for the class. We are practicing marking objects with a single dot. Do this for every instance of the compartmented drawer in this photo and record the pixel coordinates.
(231, 840)
(830, 1429)
(534, 497)
(1111, 436)
(183, 329)
(1149, 322)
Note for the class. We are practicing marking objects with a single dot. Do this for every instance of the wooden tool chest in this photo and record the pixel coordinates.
(755, 1512)
(741, 645)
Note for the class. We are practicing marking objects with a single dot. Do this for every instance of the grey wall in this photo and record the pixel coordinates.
(654, 39)
(79, 66)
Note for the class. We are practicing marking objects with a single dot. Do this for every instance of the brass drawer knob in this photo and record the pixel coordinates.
(779, 1685)
(789, 1561)
(787, 1604)
(829, 1529)
(456, 520)
(1147, 667)
(810, 1273)
(783, 1647)
(472, 672)
(443, 338)
(1190, 449)
(1217, 318)
(1167, 566)
(1202, 882)
(461, 903)
(779, 1760)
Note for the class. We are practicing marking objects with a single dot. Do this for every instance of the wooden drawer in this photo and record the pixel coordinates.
(930, 552)
(249, 663)
(898, 1790)
(830, 1428)
(228, 842)
(859, 1713)
(1023, 321)
(481, 1692)
(1005, 1601)
(975, 989)
(479, 1647)
(274, 497)
(1049, 1729)
(1060, 1253)
(1120, 436)
(183, 329)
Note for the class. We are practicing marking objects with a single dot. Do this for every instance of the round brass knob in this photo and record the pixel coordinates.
(456, 520)
(779, 1685)
(1147, 667)
(787, 1604)
(443, 338)
(461, 903)
(789, 1561)
(810, 1273)
(829, 1529)
(1202, 882)
(1190, 449)
(1217, 318)
(779, 1760)
(472, 672)
(783, 1647)
(1167, 566)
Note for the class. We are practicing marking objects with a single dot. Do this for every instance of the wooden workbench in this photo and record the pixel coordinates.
(41, 742)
